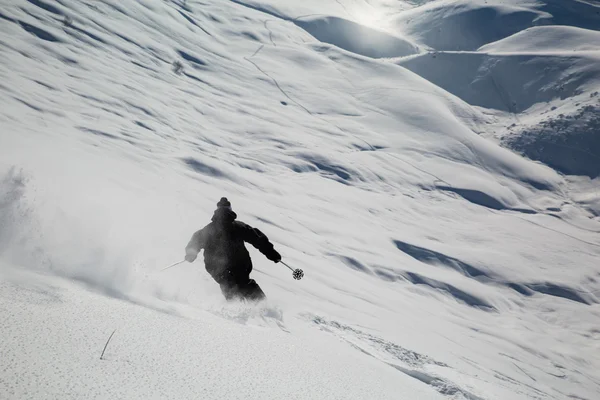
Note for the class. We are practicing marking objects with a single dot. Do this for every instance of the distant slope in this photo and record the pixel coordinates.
(509, 82)
(522, 71)
(567, 139)
(532, 85)
(356, 38)
(465, 25)
(546, 39)
(578, 13)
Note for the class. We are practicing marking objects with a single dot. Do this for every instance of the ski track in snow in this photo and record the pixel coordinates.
(432, 166)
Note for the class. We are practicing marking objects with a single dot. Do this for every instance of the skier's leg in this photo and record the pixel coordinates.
(227, 292)
(252, 292)
(230, 290)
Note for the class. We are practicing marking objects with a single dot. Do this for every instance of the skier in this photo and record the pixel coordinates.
(225, 256)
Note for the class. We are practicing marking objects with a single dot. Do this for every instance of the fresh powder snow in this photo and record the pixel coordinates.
(432, 166)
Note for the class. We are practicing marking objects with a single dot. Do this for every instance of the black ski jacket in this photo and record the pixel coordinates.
(225, 255)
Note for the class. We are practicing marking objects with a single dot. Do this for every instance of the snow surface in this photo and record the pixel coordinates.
(547, 39)
(431, 166)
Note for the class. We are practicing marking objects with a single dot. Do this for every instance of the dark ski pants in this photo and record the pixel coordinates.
(242, 289)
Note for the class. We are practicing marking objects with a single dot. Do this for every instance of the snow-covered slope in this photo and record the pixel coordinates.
(172, 353)
(547, 39)
(466, 25)
(438, 263)
(541, 82)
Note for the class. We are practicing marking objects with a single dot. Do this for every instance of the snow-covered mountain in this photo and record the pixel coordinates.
(432, 166)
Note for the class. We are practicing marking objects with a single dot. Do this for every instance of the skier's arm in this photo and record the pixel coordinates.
(258, 239)
(194, 246)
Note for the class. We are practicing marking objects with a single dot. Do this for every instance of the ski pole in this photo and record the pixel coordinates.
(296, 273)
(172, 265)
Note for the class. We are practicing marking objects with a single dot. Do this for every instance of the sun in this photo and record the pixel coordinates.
(370, 17)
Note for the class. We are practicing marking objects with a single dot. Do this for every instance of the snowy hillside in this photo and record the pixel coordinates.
(432, 166)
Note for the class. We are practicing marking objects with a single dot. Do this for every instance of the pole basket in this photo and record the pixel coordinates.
(298, 274)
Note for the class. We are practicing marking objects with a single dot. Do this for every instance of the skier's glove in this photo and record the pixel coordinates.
(276, 257)
(190, 258)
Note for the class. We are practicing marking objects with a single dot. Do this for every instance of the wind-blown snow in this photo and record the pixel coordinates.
(450, 243)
